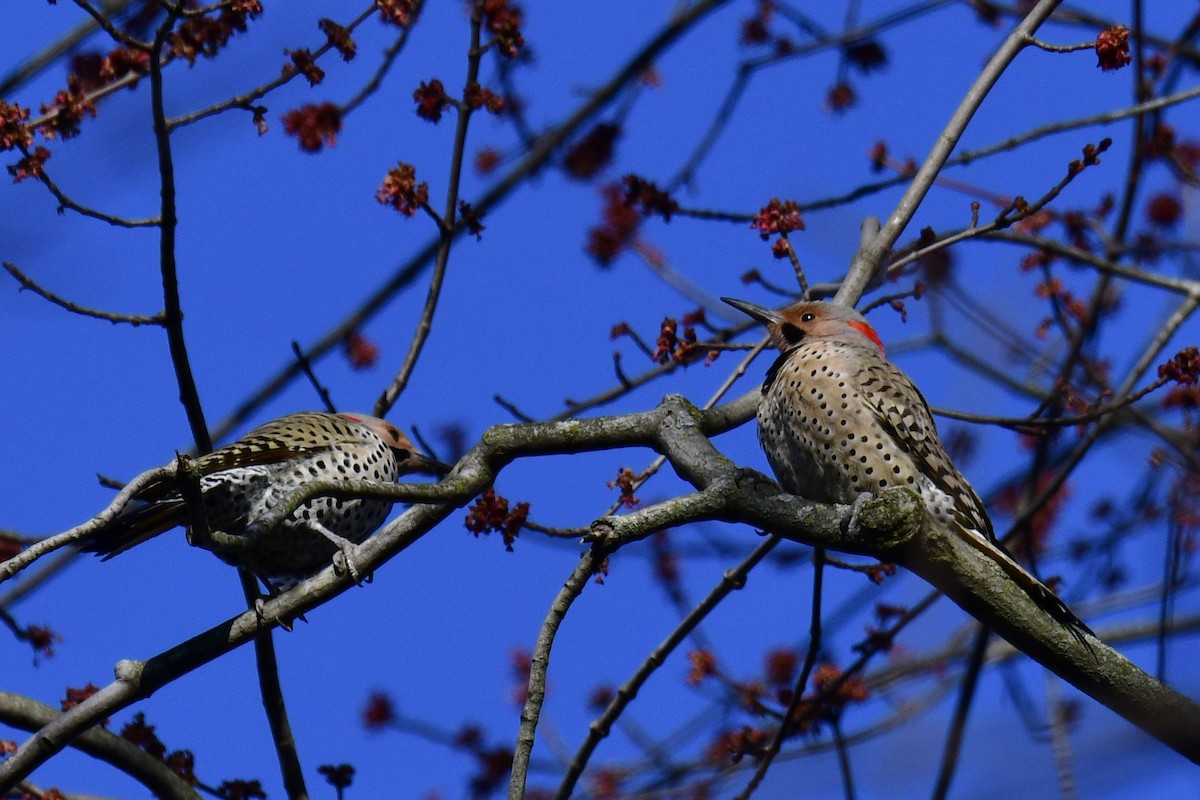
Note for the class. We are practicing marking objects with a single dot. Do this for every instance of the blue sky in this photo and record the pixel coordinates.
(276, 245)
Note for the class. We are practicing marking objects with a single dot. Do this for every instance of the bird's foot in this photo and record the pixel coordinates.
(343, 559)
(260, 604)
(342, 563)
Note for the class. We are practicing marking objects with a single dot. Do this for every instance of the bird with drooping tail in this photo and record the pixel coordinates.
(838, 420)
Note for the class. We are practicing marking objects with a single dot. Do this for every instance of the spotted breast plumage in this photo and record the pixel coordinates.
(837, 420)
(243, 481)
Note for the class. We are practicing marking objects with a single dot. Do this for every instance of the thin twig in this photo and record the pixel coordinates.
(321, 389)
(173, 312)
(539, 664)
(1060, 48)
(792, 716)
(1026, 423)
(732, 580)
(112, 30)
(446, 227)
(65, 202)
(109, 316)
(966, 694)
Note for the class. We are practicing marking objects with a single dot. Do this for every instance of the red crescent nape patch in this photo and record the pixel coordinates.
(869, 332)
(353, 418)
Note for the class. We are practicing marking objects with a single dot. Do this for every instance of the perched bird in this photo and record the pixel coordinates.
(838, 420)
(242, 481)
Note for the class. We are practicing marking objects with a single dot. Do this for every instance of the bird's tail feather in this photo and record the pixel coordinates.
(1039, 592)
(134, 526)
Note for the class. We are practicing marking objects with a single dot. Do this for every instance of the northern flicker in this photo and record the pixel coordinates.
(838, 420)
(242, 481)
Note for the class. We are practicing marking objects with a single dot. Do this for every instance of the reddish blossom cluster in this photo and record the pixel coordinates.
(478, 97)
(42, 638)
(755, 29)
(339, 38)
(396, 12)
(432, 100)
(593, 152)
(401, 191)
(1185, 398)
(879, 156)
(471, 218)
(9, 547)
(486, 160)
(606, 784)
(1164, 210)
(1112, 48)
(50, 794)
(520, 662)
(652, 200)
(840, 97)
(703, 665)
(878, 572)
(76, 696)
(142, 734)
(205, 35)
(777, 217)
(600, 697)
(849, 689)
(936, 266)
(618, 227)
(1183, 368)
(13, 132)
(379, 711)
(626, 481)
(673, 347)
(666, 560)
(87, 66)
(494, 764)
(339, 776)
(304, 63)
(502, 20)
(1037, 259)
(360, 351)
(67, 110)
(1160, 142)
(316, 125)
(241, 790)
(1054, 289)
(886, 612)
(867, 55)
(94, 70)
(490, 514)
(779, 666)
(733, 746)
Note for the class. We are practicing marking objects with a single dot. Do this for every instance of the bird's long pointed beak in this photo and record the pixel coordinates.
(763, 315)
(425, 465)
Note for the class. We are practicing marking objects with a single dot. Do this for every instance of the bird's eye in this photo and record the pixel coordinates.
(791, 333)
(808, 317)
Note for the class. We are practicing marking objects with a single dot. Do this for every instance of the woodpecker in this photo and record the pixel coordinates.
(242, 481)
(838, 420)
